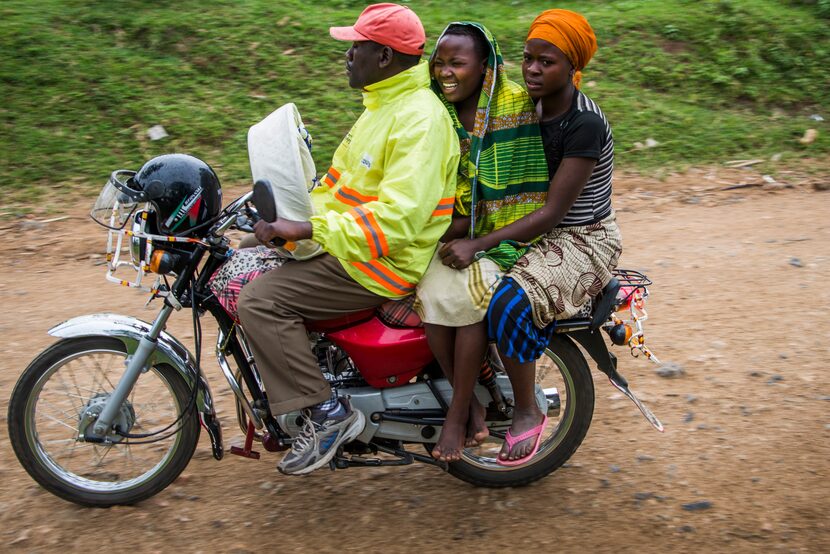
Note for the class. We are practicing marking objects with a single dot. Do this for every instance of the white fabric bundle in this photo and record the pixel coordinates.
(279, 151)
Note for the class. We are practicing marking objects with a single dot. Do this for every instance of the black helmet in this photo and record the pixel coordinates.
(183, 190)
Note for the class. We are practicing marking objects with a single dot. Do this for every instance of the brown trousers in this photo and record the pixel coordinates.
(272, 309)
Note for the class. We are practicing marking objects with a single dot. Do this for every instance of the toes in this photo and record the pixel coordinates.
(517, 452)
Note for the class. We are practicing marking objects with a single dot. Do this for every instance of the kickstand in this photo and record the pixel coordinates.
(246, 452)
(622, 386)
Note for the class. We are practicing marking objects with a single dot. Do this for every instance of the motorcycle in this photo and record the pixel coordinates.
(112, 412)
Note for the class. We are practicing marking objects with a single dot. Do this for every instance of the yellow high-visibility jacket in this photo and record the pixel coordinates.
(389, 194)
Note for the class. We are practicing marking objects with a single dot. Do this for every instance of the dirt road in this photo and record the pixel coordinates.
(740, 302)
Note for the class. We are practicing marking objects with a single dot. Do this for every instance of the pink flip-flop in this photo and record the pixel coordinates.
(511, 441)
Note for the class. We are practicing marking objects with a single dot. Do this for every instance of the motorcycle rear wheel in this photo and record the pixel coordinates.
(563, 364)
(44, 418)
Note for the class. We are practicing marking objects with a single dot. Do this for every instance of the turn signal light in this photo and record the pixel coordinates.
(162, 262)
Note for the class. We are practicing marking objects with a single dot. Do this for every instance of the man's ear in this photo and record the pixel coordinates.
(385, 57)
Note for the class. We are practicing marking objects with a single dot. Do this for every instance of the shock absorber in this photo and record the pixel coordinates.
(487, 378)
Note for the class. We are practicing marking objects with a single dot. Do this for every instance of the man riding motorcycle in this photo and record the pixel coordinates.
(383, 205)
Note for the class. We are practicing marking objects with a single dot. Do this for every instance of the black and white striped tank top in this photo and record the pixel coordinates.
(583, 132)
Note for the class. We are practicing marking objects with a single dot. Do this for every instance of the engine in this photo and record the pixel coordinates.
(337, 367)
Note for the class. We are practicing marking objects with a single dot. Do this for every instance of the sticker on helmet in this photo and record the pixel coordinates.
(189, 207)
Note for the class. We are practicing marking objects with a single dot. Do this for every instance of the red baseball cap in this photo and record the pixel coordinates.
(388, 24)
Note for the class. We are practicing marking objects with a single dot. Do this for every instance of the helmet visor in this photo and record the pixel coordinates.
(117, 201)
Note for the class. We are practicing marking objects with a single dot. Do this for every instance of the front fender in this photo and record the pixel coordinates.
(169, 350)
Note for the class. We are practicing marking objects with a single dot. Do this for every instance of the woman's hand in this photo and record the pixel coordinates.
(459, 253)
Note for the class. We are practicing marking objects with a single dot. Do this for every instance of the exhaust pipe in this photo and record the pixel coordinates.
(553, 403)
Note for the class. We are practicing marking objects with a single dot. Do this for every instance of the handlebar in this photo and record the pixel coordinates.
(266, 205)
(243, 216)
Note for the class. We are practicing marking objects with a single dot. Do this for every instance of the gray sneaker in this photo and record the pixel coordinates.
(317, 443)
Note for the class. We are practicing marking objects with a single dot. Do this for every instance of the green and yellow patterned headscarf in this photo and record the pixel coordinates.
(502, 175)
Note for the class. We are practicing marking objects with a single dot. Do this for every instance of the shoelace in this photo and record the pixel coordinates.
(308, 436)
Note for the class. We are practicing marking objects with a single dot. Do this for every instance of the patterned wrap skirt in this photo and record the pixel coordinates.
(456, 297)
(242, 267)
(553, 280)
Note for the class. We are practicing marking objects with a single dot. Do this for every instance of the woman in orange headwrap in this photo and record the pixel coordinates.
(580, 242)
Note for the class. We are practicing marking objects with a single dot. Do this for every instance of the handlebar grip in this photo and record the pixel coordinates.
(266, 205)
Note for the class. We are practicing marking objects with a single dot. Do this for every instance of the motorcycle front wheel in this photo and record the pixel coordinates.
(562, 367)
(45, 412)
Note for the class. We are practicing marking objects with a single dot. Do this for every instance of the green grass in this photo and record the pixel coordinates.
(82, 81)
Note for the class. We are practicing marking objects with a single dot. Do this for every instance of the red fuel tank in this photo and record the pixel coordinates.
(386, 356)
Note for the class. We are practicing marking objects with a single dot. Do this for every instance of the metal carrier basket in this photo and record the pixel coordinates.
(630, 282)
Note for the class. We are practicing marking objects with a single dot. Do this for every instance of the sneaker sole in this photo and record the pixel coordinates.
(350, 434)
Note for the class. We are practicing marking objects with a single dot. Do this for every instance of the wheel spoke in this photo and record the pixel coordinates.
(69, 416)
(72, 446)
(128, 452)
(70, 395)
(104, 455)
(81, 375)
(78, 389)
(56, 420)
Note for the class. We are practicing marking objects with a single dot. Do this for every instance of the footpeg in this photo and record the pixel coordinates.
(247, 452)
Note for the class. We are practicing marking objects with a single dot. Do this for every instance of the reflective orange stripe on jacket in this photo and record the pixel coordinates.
(444, 207)
(331, 177)
(385, 277)
(351, 197)
(374, 234)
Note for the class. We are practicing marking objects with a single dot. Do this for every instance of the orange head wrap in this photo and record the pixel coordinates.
(571, 33)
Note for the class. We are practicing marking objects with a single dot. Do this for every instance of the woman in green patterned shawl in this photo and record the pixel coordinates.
(502, 177)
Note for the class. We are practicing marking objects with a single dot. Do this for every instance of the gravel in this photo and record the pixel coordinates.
(697, 506)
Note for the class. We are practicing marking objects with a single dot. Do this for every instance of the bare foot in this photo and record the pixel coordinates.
(522, 422)
(476, 424)
(451, 442)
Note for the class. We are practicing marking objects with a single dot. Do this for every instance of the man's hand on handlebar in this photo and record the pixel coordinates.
(282, 228)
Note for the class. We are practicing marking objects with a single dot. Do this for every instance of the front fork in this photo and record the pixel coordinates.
(137, 363)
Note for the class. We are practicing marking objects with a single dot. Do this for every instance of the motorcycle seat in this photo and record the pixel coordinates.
(394, 313)
(602, 306)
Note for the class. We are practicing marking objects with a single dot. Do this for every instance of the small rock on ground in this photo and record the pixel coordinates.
(697, 506)
(670, 370)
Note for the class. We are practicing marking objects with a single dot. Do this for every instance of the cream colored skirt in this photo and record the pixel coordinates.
(456, 297)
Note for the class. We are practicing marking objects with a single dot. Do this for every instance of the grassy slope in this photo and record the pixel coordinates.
(81, 81)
